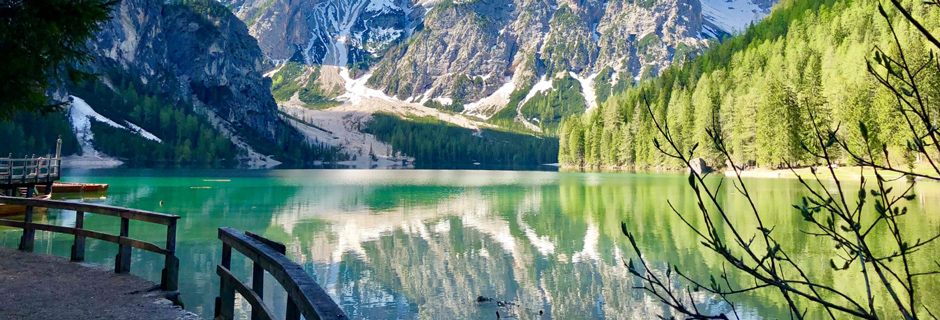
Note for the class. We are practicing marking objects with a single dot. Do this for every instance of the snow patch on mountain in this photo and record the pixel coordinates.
(544, 84)
(140, 131)
(444, 100)
(383, 6)
(339, 24)
(81, 115)
(711, 31)
(356, 89)
(487, 107)
(381, 37)
(587, 89)
(730, 15)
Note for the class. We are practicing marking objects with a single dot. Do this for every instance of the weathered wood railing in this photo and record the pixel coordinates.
(122, 264)
(304, 296)
(30, 170)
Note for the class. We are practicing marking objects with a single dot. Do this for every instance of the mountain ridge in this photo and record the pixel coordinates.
(465, 51)
(188, 71)
(482, 59)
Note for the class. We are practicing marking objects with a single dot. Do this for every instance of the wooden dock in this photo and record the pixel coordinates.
(30, 171)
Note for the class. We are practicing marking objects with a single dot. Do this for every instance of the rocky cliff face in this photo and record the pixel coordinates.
(544, 59)
(333, 32)
(464, 51)
(195, 52)
(472, 49)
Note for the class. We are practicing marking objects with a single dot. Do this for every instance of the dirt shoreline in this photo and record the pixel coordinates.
(38, 286)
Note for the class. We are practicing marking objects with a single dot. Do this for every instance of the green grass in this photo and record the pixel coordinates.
(284, 83)
(646, 41)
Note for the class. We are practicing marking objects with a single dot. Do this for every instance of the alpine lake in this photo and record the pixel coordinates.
(405, 244)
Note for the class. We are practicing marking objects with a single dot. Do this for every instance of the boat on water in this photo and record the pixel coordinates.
(7, 210)
(72, 187)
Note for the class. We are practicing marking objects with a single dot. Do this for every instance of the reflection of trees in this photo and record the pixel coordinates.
(641, 201)
(511, 243)
(429, 248)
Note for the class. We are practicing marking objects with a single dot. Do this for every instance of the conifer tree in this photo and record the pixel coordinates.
(42, 43)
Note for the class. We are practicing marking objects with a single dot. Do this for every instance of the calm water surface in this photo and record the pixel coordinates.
(426, 244)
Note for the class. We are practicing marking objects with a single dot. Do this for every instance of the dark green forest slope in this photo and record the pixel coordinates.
(756, 88)
(32, 134)
(432, 141)
(188, 138)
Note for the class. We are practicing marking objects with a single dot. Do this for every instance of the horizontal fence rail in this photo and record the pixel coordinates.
(304, 296)
(170, 278)
(30, 170)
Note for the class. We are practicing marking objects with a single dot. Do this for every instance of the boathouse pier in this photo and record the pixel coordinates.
(29, 172)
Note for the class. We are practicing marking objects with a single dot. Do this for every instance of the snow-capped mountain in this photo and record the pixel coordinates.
(475, 56)
(466, 51)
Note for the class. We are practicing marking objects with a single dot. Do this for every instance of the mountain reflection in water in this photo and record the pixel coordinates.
(428, 243)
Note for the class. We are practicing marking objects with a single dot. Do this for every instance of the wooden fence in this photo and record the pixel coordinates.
(304, 296)
(29, 171)
(32, 170)
(122, 264)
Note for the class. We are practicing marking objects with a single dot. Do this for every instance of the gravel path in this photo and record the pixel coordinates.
(36, 286)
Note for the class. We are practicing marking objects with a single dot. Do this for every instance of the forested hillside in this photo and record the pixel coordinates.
(757, 89)
(188, 138)
(29, 134)
(432, 141)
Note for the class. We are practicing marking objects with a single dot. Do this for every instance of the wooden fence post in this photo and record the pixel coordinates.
(26, 242)
(10, 172)
(78, 248)
(32, 163)
(225, 302)
(122, 263)
(49, 173)
(58, 154)
(293, 313)
(25, 171)
(257, 285)
(171, 268)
